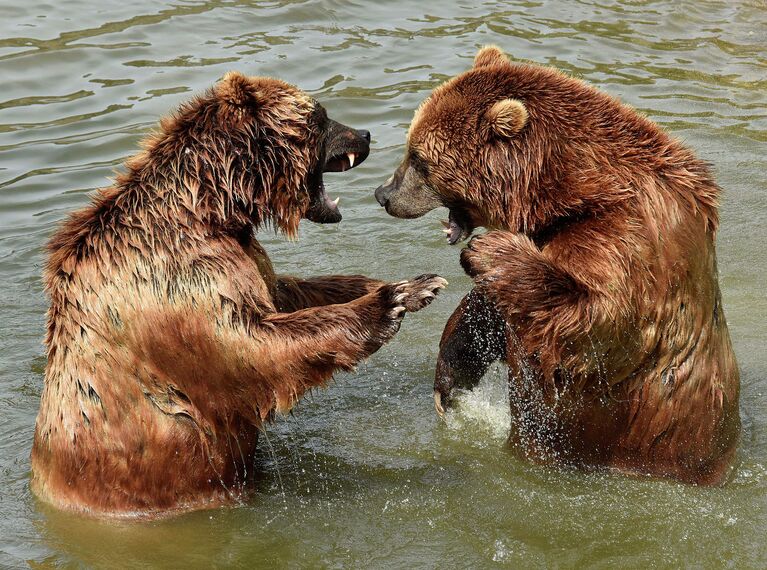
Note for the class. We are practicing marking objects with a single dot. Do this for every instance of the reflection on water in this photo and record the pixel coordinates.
(364, 474)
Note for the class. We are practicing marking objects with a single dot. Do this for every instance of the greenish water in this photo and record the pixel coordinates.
(364, 474)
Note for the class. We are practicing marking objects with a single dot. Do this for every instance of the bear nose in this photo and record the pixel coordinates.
(364, 134)
(382, 194)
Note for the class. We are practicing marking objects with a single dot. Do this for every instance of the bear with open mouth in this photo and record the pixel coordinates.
(597, 283)
(170, 338)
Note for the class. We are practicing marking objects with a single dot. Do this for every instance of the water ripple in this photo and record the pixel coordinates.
(84, 81)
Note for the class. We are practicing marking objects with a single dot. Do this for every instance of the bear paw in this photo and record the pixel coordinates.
(414, 295)
(406, 296)
(487, 252)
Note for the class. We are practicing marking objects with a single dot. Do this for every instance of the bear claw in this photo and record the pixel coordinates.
(397, 312)
(438, 404)
(416, 294)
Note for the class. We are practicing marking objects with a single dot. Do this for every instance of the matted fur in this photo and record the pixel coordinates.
(601, 262)
(170, 339)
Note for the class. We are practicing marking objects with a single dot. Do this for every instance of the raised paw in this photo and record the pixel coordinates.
(476, 260)
(414, 295)
(407, 296)
(484, 253)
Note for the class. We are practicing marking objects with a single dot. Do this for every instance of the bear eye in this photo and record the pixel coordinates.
(419, 164)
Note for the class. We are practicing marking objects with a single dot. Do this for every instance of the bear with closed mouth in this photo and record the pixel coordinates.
(597, 280)
(170, 339)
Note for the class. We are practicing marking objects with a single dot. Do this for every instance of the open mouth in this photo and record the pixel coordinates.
(458, 226)
(323, 209)
(344, 161)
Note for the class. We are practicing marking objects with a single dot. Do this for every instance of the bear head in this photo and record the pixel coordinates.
(487, 145)
(255, 149)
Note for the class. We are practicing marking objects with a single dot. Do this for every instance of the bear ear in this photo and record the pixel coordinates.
(490, 55)
(236, 89)
(507, 117)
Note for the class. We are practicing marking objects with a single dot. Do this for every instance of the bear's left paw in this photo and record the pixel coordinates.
(406, 296)
(486, 252)
(417, 293)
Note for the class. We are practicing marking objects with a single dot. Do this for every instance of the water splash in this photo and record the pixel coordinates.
(276, 462)
(486, 407)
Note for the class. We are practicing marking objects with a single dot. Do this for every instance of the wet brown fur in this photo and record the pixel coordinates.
(170, 339)
(602, 263)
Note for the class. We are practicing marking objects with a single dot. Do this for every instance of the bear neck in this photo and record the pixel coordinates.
(591, 159)
(179, 191)
(213, 184)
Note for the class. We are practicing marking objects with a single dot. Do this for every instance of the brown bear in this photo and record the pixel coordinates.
(597, 283)
(170, 339)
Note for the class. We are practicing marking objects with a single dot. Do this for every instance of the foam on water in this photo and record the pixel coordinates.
(486, 408)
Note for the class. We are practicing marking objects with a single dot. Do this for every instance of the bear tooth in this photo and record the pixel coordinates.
(337, 200)
(351, 157)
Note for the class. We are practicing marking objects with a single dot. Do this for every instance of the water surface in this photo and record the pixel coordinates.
(364, 474)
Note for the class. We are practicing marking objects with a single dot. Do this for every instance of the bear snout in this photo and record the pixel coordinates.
(364, 134)
(383, 192)
(345, 147)
(407, 195)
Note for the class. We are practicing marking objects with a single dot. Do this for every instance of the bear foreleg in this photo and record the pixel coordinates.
(548, 308)
(474, 338)
(293, 294)
(303, 348)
